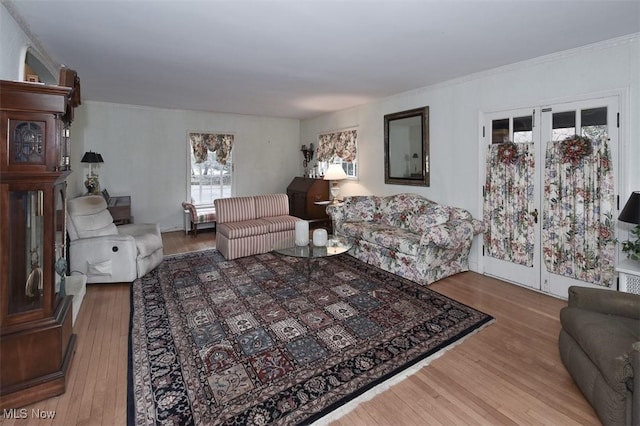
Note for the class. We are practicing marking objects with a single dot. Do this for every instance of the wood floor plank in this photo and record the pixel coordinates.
(509, 372)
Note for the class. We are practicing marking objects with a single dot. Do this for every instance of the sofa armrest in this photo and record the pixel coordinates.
(105, 242)
(87, 255)
(337, 213)
(478, 226)
(635, 401)
(147, 236)
(605, 301)
(449, 235)
(635, 366)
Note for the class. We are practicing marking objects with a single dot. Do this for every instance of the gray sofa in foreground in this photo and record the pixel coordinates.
(600, 347)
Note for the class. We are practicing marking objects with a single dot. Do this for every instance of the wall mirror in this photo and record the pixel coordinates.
(406, 147)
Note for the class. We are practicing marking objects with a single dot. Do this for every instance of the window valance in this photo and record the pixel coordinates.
(342, 144)
(219, 143)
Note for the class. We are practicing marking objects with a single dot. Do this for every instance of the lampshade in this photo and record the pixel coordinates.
(335, 172)
(415, 155)
(91, 157)
(631, 211)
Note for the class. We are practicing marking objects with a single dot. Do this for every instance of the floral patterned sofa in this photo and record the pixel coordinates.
(407, 234)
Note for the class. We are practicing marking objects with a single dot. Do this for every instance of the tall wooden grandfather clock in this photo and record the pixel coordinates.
(36, 336)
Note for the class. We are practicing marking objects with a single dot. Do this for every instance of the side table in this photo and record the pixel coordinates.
(120, 209)
(629, 271)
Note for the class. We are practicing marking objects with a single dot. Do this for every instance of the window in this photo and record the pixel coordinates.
(521, 130)
(211, 167)
(593, 123)
(339, 147)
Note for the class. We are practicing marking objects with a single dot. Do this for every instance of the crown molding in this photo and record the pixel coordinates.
(36, 44)
(527, 63)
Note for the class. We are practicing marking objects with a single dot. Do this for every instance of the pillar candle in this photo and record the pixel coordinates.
(320, 237)
(302, 233)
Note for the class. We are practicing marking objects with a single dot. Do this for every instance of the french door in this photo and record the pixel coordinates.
(548, 195)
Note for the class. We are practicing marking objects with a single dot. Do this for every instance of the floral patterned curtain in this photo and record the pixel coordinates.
(508, 201)
(201, 143)
(578, 224)
(337, 144)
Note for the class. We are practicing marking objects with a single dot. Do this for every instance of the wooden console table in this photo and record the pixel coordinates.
(120, 209)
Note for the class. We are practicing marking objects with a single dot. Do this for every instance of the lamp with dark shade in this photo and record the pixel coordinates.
(92, 184)
(631, 214)
(631, 211)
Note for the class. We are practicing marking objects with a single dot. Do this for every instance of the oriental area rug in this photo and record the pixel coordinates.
(270, 339)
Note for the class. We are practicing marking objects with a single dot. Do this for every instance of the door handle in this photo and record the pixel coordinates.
(534, 213)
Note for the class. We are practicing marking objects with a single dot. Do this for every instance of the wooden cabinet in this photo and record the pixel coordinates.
(303, 194)
(36, 335)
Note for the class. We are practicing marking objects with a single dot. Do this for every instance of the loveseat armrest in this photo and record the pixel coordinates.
(605, 301)
(449, 235)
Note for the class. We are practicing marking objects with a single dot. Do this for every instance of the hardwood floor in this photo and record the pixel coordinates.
(508, 373)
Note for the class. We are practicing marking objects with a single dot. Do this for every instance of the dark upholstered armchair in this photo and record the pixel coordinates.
(600, 347)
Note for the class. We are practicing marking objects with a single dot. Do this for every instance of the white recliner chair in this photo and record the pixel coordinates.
(105, 252)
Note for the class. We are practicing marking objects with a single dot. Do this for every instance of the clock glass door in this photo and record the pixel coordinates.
(26, 237)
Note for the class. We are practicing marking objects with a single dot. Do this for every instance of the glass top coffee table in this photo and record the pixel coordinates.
(335, 245)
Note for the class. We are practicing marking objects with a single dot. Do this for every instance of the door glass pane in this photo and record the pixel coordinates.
(564, 125)
(594, 122)
(523, 129)
(500, 130)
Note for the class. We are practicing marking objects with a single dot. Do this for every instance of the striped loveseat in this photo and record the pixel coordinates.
(253, 225)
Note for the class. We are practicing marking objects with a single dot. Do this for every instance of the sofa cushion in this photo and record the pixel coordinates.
(361, 208)
(606, 339)
(246, 228)
(271, 205)
(281, 223)
(392, 238)
(352, 229)
(426, 215)
(412, 211)
(235, 209)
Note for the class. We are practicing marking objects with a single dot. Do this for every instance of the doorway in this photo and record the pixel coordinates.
(550, 184)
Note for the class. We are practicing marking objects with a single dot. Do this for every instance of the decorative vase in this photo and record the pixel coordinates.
(320, 237)
(302, 233)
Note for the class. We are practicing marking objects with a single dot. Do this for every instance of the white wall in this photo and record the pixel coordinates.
(145, 148)
(455, 108)
(145, 154)
(14, 44)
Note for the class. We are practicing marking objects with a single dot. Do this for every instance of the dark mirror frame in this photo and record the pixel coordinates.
(417, 170)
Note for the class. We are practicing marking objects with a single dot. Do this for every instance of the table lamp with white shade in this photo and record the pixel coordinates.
(334, 173)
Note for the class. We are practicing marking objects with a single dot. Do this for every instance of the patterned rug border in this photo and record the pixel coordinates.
(350, 402)
(386, 384)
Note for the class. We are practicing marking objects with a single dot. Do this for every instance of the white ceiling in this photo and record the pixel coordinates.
(300, 59)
